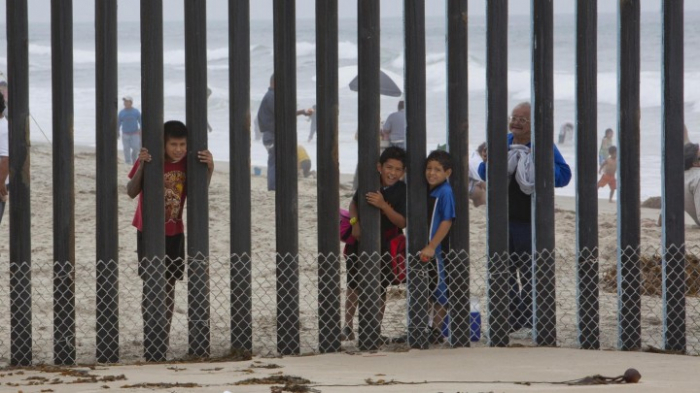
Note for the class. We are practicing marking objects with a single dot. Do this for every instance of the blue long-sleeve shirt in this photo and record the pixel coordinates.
(562, 171)
(129, 120)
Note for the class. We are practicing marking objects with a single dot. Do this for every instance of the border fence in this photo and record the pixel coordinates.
(65, 313)
(261, 334)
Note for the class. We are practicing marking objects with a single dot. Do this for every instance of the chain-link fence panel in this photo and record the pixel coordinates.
(268, 304)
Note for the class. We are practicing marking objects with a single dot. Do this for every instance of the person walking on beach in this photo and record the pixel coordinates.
(175, 181)
(266, 120)
(608, 169)
(390, 199)
(394, 128)
(520, 191)
(565, 131)
(604, 146)
(130, 125)
(4, 158)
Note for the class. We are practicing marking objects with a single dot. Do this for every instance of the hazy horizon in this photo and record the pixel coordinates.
(129, 10)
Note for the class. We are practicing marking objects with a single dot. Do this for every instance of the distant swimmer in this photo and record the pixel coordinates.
(566, 132)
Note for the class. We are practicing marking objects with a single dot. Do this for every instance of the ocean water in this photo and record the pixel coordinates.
(519, 83)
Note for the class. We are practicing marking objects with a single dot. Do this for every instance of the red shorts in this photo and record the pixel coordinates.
(608, 180)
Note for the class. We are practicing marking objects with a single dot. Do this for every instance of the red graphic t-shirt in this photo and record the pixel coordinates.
(174, 179)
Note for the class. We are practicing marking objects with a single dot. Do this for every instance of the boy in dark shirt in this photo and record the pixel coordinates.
(175, 182)
(391, 201)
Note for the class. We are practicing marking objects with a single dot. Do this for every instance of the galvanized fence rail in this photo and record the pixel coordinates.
(393, 322)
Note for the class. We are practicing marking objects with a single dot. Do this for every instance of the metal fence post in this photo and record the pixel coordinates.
(286, 198)
(107, 261)
(63, 183)
(414, 85)
(156, 334)
(329, 257)
(368, 144)
(20, 208)
(497, 171)
(457, 264)
(674, 275)
(543, 256)
(588, 314)
(239, 157)
(197, 179)
(628, 204)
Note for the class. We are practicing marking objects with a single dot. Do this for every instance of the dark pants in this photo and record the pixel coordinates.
(174, 270)
(271, 169)
(269, 143)
(520, 282)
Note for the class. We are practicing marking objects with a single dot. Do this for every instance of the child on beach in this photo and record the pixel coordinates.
(303, 161)
(175, 181)
(605, 146)
(391, 202)
(608, 169)
(438, 168)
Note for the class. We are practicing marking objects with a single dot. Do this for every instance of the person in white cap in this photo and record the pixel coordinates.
(130, 125)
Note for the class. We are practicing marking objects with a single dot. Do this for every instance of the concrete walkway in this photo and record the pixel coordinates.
(442, 370)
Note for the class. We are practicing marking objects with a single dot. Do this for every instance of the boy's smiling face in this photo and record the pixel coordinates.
(175, 149)
(435, 174)
(390, 172)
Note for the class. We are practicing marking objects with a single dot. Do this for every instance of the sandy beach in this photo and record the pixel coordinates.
(264, 270)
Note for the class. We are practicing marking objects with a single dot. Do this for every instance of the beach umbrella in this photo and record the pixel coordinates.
(387, 86)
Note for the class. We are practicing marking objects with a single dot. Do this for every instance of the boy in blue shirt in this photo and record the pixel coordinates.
(441, 204)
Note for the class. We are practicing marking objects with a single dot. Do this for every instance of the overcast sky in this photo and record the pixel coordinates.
(84, 10)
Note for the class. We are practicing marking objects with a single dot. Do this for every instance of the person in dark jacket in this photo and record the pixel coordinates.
(266, 120)
(520, 221)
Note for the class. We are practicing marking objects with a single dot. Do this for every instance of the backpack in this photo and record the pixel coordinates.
(345, 228)
(397, 250)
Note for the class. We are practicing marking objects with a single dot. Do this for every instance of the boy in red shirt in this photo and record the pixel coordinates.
(175, 182)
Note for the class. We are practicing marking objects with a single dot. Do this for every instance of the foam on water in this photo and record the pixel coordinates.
(392, 63)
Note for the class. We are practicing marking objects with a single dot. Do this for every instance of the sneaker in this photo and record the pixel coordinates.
(522, 334)
(347, 334)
